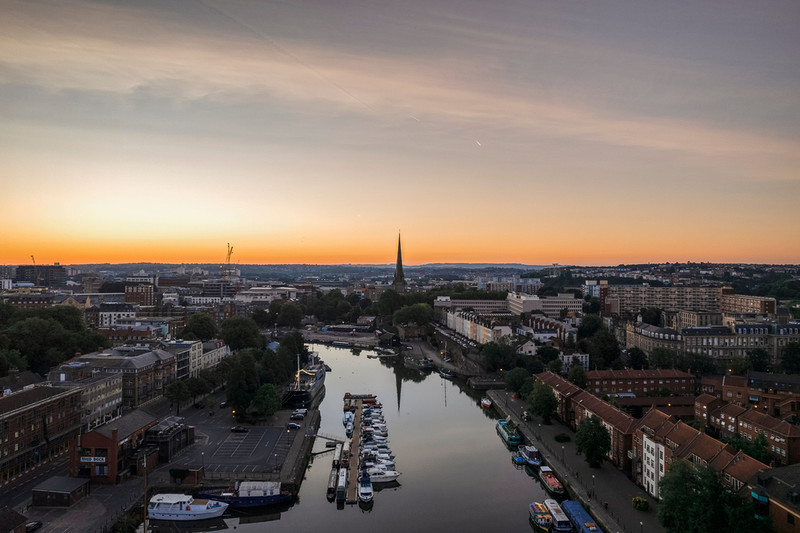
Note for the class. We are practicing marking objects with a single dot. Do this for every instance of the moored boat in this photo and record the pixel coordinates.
(540, 517)
(508, 432)
(447, 373)
(308, 383)
(365, 491)
(486, 403)
(560, 521)
(531, 455)
(580, 519)
(183, 507)
(249, 494)
(379, 475)
(550, 481)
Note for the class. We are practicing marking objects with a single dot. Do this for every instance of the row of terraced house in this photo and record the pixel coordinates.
(645, 448)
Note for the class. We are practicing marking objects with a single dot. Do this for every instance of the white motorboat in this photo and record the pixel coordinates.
(386, 465)
(379, 475)
(183, 507)
(365, 488)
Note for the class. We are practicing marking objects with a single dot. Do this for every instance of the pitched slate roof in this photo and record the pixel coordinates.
(559, 384)
(771, 423)
(619, 420)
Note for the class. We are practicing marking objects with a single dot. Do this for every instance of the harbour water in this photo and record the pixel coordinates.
(457, 474)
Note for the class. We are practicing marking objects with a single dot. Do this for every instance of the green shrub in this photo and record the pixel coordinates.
(640, 504)
(562, 437)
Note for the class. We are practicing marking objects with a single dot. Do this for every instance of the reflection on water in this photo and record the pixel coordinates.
(456, 472)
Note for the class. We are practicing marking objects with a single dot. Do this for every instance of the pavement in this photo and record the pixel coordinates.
(606, 491)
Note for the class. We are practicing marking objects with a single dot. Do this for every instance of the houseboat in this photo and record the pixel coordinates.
(560, 521)
(249, 494)
(508, 432)
(580, 519)
(550, 481)
(540, 517)
(183, 507)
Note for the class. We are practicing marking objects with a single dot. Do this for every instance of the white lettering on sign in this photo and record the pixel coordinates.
(93, 459)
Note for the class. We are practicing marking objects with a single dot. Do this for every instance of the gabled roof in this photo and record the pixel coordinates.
(619, 420)
(734, 381)
(770, 423)
(654, 420)
(743, 467)
(730, 410)
(683, 436)
(704, 447)
(558, 384)
(705, 399)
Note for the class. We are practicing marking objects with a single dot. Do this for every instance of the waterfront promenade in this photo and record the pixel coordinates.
(606, 490)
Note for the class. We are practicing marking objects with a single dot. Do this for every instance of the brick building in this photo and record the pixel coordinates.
(108, 454)
(619, 424)
(640, 382)
(36, 425)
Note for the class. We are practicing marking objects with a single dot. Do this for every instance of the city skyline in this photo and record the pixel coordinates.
(512, 132)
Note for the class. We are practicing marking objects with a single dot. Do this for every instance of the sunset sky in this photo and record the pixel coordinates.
(576, 132)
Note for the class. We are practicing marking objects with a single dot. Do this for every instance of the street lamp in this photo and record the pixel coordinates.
(540, 431)
(593, 485)
(203, 458)
(562, 454)
(641, 527)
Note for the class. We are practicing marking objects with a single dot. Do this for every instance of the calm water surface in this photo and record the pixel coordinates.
(457, 474)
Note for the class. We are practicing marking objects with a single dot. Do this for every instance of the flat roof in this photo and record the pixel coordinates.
(62, 484)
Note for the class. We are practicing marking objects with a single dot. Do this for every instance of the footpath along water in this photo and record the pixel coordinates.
(456, 473)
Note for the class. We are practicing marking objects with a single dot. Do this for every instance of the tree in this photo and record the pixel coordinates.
(547, 353)
(262, 318)
(790, 360)
(663, 358)
(516, 379)
(201, 326)
(759, 359)
(577, 375)
(589, 326)
(498, 355)
(241, 332)
(694, 500)
(291, 315)
(389, 302)
(603, 346)
(266, 400)
(197, 387)
(593, 439)
(555, 366)
(542, 402)
(637, 359)
(177, 392)
(420, 314)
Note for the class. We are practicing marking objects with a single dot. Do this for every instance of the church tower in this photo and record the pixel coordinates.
(399, 281)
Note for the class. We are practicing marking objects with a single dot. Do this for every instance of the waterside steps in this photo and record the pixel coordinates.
(352, 470)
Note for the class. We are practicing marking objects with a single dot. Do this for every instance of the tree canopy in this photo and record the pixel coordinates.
(516, 379)
(593, 439)
(200, 326)
(542, 402)
(694, 500)
(241, 332)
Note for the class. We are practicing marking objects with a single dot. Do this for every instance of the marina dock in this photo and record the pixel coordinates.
(352, 468)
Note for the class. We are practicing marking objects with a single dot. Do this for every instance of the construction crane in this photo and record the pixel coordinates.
(35, 272)
(226, 268)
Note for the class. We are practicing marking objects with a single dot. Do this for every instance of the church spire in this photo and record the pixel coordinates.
(399, 281)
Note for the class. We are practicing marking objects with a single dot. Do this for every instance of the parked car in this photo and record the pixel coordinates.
(293, 425)
(300, 411)
(32, 526)
(297, 416)
(239, 429)
(223, 404)
(199, 405)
